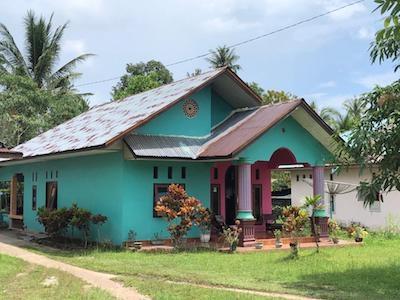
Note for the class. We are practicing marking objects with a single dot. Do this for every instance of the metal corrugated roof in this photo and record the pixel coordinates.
(7, 153)
(109, 121)
(226, 139)
(248, 129)
(164, 146)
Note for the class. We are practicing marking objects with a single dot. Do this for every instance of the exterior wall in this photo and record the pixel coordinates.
(220, 109)
(138, 193)
(289, 134)
(348, 208)
(92, 181)
(174, 121)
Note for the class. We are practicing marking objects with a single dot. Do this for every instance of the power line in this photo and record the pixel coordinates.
(243, 42)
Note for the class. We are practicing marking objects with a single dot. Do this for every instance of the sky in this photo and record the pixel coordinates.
(326, 60)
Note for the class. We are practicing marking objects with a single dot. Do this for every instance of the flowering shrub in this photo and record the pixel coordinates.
(181, 211)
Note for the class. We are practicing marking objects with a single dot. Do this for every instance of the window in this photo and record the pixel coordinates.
(257, 201)
(169, 172)
(155, 172)
(310, 176)
(257, 174)
(215, 173)
(51, 195)
(5, 196)
(159, 191)
(215, 199)
(34, 197)
(183, 172)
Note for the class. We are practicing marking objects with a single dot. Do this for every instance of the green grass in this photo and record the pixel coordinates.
(371, 271)
(20, 280)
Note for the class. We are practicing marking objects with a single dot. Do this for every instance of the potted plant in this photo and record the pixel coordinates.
(259, 245)
(203, 219)
(157, 240)
(131, 241)
(231, 235)
(294, 220)
(278, 236)
(334, 230)
(359, 234)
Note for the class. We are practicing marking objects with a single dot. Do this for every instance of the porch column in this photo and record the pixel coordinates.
(319, 182)
(245, 211)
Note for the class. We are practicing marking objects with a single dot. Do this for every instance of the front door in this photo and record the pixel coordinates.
(230, 195)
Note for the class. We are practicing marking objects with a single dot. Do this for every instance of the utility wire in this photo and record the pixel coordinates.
(243, 42)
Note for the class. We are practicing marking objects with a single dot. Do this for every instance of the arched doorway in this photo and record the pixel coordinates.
(230, 195)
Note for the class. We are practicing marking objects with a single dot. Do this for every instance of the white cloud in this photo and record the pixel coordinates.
(370, 81)
(343, 14)
(227, 25)
(75, 47)
(365, 33)
(327, 84)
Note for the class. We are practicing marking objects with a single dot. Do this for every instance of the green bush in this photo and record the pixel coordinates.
(57, 221)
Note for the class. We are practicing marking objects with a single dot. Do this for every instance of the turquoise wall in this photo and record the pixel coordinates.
(107, 184)
(91, 181)
(298, 140)
(174, 121)
(220, 109)
(139, 185)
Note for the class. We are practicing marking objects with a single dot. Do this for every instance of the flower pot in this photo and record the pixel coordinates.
(205, 237)
(358, 239)
(278, 244)
(233, 247)
(259, 245)
(137, 245)
(319, 213)
(157, 242)
(335, 240)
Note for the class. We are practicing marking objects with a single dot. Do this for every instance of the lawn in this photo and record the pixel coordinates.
(20, 280)
(371, 271)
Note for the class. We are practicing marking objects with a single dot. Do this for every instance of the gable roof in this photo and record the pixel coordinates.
(104, 124)
(232, 135)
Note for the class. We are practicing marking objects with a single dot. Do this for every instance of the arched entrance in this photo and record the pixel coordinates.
(230, 195)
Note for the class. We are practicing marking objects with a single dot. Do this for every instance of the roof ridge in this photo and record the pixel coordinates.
(171, 83)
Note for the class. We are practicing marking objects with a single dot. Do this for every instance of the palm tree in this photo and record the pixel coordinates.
(42, 47)
(224, 56)
(354, 107)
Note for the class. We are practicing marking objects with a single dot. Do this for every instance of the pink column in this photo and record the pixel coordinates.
(319, 182)
(245, 211)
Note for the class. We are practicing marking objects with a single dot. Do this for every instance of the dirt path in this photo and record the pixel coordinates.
(11, 246)
(245, 291)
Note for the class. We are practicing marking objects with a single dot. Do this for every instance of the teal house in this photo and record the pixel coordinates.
(209, 133)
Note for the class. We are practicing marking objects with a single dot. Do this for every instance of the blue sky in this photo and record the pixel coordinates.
(326, 60)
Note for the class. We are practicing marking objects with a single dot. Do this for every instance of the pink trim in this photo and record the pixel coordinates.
(222, 167)
(282, 156)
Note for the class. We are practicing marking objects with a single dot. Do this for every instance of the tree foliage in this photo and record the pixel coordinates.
(271, 96)
(387, 40)
(375, 141)
(27, 110)
(224, 56)
(43, 47)
(141, 77)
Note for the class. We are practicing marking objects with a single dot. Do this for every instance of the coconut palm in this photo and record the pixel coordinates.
(224, 56)
(354, 107)
(42, 51)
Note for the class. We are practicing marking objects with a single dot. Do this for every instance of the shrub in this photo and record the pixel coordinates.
(181, 211)
(55, 222)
